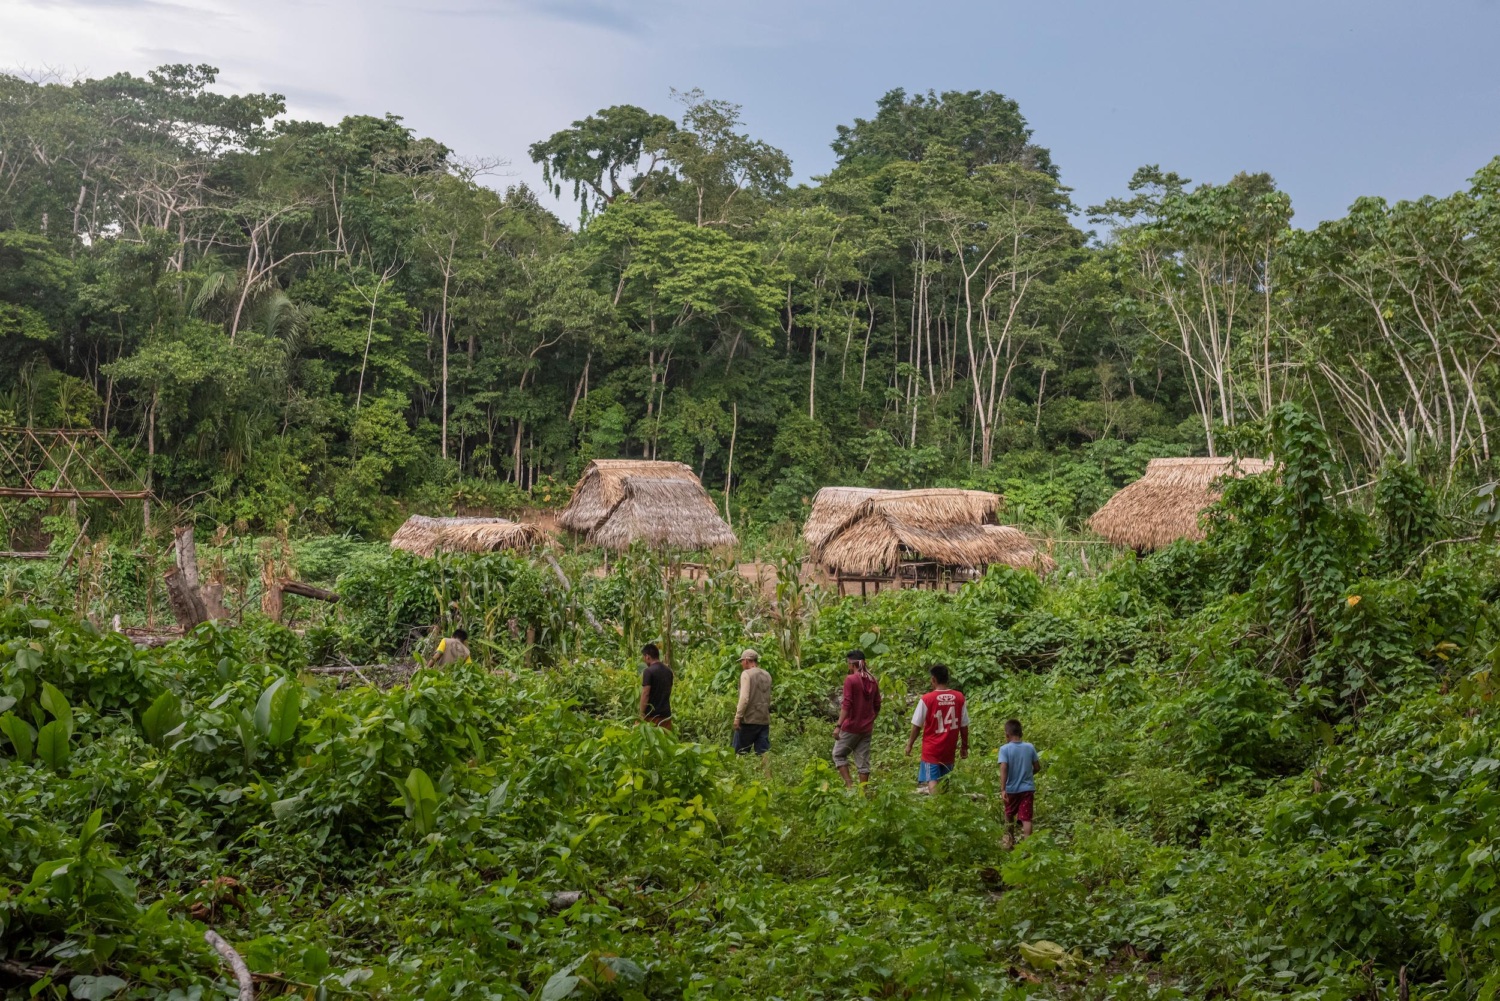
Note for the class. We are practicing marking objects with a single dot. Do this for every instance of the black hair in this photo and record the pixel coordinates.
(855, 654)
(461, 634)
(651, 651)
(939, 673)
(1013, 728)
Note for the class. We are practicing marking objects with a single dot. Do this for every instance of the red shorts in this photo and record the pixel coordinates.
(665, 722)
(1018, 806)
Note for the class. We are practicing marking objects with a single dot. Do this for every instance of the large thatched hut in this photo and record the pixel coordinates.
(664, 514)
(1164, 504)
(833, 508)
(913, 536)
(424, 536)
(602, 486)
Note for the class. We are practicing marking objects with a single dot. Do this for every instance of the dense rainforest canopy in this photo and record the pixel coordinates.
(321, 324)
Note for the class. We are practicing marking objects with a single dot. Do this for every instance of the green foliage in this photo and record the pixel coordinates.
(1220, 815)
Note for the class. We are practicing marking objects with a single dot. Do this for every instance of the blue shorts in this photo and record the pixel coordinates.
(928, 772)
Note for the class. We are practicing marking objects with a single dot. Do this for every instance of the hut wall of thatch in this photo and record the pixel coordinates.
(602, 486)
(664, 514)
(1164, 505)
(425, 536)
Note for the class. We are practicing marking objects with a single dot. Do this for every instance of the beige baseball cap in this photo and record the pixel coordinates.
(749, 654)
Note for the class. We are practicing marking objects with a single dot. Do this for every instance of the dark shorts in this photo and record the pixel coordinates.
(752, 737)
(665, 722)
(1018, 806)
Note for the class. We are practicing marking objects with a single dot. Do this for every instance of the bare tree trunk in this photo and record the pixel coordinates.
(729, 466)
(443, 332)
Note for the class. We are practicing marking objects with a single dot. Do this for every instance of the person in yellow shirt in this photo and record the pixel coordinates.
(451, 649)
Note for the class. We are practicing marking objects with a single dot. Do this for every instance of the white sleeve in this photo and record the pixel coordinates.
(920, 716)
(965, 721)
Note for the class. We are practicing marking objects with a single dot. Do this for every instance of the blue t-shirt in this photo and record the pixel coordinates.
(1020, 763)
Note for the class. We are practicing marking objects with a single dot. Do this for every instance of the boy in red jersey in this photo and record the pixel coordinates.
(942, 719)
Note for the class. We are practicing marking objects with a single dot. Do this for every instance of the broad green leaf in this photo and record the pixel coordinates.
(95, 988)
(7, 702)
(21, 735)
(421, 801)
(90, 828)
(52, 745)
(162, 717)
(627, 971)
(560, 985)
(28, 660)
(121, 882)
(315, 960)
(278, 710)
(56, 703)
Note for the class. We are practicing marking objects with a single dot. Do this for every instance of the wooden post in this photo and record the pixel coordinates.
(186, 550)
(183, 593)
(213, 601)
(187, 605)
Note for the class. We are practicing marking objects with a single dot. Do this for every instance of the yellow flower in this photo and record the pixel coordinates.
(1353, 600)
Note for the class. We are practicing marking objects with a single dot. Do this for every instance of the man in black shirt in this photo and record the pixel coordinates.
(656, 688)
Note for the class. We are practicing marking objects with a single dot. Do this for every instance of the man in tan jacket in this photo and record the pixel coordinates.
(752, 716)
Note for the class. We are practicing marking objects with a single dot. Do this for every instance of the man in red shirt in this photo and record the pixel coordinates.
(856, 719)
(942, 719)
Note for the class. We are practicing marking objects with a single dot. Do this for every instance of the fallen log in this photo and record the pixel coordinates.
(309, 591)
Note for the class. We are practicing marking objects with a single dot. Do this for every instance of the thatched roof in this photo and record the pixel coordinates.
(664, 514)
(425, 536)
(852, 531)
(601, 487)
(833, 508)
(1164, 504)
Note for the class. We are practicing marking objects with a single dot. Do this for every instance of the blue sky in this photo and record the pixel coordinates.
(1335, 98)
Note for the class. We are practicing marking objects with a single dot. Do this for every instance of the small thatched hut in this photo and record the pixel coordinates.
(424, 536)
(1164, 504)
(664, 514)
(602, 486)
(875, 534)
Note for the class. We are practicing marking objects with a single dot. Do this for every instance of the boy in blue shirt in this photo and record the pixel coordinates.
(1019, 762)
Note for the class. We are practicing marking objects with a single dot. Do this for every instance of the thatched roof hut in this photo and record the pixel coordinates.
(425, 536)
(833, 508)
(858, 532)
(602, 486)
(1164, 504)
(664, 514)
(877, 543)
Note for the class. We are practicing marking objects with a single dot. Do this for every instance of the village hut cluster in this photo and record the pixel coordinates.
(858, 536)
(1166, 504)
(617, 503)
(912, 538)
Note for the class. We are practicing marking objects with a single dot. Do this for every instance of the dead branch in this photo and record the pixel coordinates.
(241, 971)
